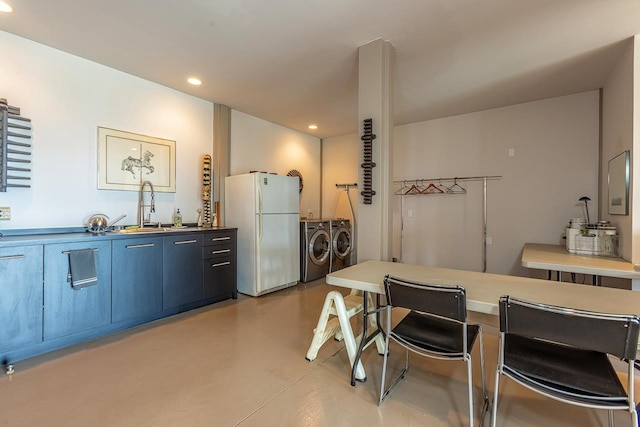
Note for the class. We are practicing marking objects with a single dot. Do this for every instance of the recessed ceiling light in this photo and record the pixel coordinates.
(5, 7)
(313, 126)
(194, 81)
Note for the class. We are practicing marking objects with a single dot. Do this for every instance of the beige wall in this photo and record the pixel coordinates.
(617, 136)
(635, 158)
(257, 144)
(555, 163)
(339, 166)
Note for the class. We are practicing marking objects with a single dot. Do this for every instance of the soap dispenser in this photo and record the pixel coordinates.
(177, 219)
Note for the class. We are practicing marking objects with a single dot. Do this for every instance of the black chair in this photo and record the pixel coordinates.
(563, 353)
(435, 327)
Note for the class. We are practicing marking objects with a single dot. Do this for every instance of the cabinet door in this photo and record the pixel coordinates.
(68, 310)
(137, 277)
(220, 277)
(182, 270)
(20, 296)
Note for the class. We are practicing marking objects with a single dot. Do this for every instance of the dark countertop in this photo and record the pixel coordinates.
(12, 238)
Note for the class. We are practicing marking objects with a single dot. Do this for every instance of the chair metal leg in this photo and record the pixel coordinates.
(611, 422)
(485, 397)
(494, 410)
(384, 370)
(470, 385)
(384, 393)
(395, 382)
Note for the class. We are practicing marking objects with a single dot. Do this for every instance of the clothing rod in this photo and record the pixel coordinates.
(459, 178)
(355, 184)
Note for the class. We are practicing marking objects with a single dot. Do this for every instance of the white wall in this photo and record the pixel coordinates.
(259, 145)
(67, 98)
(555, 163)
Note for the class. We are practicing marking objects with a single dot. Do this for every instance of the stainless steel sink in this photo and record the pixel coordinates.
(146, 230)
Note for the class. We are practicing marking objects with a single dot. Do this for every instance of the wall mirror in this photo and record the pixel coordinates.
(619, 184)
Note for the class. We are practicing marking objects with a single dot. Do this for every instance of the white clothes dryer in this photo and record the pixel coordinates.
(315, 249)
(341, 244)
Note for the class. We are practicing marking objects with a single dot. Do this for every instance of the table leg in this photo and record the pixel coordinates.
(596, 280)
(366, 337)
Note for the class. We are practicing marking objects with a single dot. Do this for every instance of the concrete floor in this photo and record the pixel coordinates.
(242, 363)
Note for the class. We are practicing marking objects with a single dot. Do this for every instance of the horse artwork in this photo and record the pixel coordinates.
(131, 163)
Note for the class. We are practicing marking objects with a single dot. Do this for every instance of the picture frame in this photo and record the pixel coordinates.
(126, 160)
(618, 183)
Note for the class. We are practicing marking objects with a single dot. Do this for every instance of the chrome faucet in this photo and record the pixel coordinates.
(152, 205)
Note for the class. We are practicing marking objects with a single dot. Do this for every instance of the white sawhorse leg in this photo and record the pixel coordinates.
(340, 327)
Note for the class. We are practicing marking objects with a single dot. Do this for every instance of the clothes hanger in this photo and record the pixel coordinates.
(412, 190)
(456, 189)
(431, 188)
(402, 189)
(443, 187)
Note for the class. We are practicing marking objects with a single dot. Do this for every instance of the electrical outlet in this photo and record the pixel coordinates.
(5, 213)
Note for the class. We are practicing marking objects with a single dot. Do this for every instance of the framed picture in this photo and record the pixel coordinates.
(619, 184)
(126, 160)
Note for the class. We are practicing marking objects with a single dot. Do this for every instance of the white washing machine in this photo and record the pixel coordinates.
(341, 244)
(315, 249)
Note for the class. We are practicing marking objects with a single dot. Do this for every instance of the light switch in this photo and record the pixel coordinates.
(512, 152)
(5, 213)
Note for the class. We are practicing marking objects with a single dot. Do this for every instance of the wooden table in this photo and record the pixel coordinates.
(557, 258)
(483, 290)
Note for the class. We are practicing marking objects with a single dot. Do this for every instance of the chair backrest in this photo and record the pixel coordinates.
(607, 333)
(442, 300)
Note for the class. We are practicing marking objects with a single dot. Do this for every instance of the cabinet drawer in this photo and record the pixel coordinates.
(209, 252)
(220, 238)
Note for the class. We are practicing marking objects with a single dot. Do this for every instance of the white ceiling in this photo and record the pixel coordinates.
(294, 62)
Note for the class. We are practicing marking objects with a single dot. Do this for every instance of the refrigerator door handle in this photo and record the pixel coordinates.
(260, 213)
(258, 272)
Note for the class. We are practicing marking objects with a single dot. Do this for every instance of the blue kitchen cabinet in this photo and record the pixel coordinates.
(20, 296)
(219, 260)
(137, 278)
(182, 270)
(68, 310)
(141, 277)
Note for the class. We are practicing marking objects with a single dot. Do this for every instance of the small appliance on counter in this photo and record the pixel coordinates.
(99, 223)
(599, 239)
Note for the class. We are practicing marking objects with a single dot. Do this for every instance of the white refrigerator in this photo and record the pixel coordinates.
(266, 210)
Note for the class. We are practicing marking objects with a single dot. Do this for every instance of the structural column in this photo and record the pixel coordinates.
(376, 62)
(221, 154)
